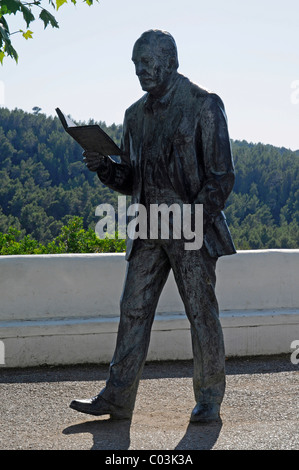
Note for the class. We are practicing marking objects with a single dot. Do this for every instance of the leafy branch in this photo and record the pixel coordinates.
(29, 12)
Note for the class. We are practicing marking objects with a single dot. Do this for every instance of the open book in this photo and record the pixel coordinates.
(91, 137)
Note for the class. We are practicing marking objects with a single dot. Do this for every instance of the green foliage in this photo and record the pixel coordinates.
(28, 11)
(72, 239)
(263, 209)
(44, 182)
(48, 197)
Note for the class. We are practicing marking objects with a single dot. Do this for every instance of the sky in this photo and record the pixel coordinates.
(246, 52)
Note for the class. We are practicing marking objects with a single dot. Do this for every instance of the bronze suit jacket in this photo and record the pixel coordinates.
(184, 135)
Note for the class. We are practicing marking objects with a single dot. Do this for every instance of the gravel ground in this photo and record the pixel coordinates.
(260, 410)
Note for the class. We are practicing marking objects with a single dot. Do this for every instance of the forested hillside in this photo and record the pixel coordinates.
(44, 183)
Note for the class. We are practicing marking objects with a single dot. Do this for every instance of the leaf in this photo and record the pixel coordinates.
(27, 14)
(3, 10)
(12, 6)
(27, 34)
(89, 2)
(4, 35)
(2, 55)
(47, 18)
(10, 50)
(59, 3)
(4, 23)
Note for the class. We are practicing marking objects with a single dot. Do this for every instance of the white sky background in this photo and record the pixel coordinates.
(247, 52)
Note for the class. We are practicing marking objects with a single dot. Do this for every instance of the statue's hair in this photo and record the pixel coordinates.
(164, 40)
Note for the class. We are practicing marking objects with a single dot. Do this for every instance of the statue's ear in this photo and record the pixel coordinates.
(172, 63)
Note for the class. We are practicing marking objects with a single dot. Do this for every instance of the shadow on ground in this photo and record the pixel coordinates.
(107, 434)
(115, 435)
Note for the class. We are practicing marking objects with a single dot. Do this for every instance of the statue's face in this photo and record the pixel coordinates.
(151, 68)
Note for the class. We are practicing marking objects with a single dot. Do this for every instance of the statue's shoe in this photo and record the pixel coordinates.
(205, 413)
(97, 406)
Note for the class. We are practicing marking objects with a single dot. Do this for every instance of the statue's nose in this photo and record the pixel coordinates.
(139, 69)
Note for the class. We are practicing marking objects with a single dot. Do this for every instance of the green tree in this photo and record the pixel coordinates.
(29, 10)
(71, 239)
(45, 184)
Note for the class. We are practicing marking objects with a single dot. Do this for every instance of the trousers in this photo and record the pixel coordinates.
(147, 272)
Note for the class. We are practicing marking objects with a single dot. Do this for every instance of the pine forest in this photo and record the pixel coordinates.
(48, 197)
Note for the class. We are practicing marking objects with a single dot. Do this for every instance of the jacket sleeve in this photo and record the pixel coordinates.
(118, 176)
(216, 156)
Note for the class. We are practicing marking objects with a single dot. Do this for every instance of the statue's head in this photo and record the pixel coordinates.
(156, 60)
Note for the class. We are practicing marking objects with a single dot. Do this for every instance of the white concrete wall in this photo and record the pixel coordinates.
(62, 309)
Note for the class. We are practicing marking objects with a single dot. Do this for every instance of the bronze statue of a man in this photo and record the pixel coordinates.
(176, 150)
